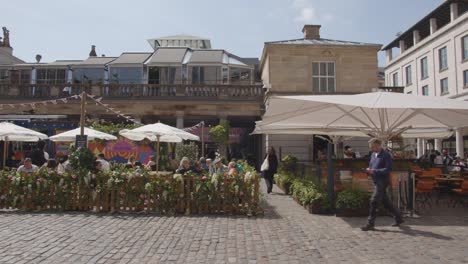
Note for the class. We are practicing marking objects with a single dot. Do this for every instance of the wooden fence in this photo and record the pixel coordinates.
(162, 194)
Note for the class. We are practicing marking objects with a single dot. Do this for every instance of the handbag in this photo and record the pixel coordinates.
(265, 165)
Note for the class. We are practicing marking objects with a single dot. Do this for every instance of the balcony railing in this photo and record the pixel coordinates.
(135, 91)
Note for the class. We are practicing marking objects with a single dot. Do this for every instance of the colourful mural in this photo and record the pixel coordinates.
(121, 149)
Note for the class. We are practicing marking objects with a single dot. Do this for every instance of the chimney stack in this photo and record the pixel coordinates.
(311, 31)
(92, 53)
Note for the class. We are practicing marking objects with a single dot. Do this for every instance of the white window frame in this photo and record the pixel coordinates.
(422, 90)
(395, 80)
(426, 67)
(440, 83)
(409, 81)
(440, 59)
(324, 76)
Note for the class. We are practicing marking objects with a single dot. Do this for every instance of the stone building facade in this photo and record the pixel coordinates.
(315, 65)
(430, 59)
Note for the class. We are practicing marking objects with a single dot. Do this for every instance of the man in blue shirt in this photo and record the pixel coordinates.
(380, 166)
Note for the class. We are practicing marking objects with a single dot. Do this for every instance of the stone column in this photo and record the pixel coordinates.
(389, 55)
(424, 146)
(402, 46)
(453, 11)
(416, 37)
(433, 25)
(419, 144)
(180, 119)
(459, 142)
(438, 144)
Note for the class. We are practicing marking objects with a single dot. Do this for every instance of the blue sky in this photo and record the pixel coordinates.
(59, 29)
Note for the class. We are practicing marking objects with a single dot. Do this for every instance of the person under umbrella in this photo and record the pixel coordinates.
(379, 169)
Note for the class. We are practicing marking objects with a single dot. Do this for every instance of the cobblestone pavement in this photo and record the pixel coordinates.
(286, 234)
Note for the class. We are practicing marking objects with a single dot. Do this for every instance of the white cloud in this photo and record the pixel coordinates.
(306, 13)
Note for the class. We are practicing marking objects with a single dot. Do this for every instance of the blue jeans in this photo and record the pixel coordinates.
(380, 196)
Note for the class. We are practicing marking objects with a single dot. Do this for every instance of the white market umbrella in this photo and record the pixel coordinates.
(138, 136)
(70, 136)
(160, 129)
(278, 129)
(12, 132)
(158, 132)
(381, 114)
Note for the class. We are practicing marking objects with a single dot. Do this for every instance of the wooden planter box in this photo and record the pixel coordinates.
(315, 208)
(287, 188)
(346, 212)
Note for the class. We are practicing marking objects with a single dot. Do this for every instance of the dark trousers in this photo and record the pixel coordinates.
(380, 196)
(268, 180)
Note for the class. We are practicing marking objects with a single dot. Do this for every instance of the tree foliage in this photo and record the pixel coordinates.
(220, 135)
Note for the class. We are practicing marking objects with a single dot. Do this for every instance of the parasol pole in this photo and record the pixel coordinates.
(203, 139)
(83, 110)
(5, 143)
(157, 153)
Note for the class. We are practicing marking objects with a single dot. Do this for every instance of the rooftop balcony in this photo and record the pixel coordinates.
(166, 92)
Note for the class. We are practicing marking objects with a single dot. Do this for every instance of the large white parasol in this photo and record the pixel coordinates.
(12, 132)
(381, 114)
(158, 132)
(70, 136)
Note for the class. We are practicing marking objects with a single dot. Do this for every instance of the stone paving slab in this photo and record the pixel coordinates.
(286, 234)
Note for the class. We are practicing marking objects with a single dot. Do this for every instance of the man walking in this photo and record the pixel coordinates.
(380, 167)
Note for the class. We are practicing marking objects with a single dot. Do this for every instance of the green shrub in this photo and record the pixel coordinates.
(289, 164)
(306, 192)
(283, 179)
(187, 150)
(82, 160)
(352, 199)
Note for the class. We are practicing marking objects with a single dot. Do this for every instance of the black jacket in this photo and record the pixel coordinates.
(37, 157)
(272, 164)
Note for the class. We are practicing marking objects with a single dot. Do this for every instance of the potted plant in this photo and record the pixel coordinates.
(352, 202)
(284, 181)
(319, 203)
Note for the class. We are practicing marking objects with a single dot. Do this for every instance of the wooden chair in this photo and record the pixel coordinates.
(461, 194)
(424, 190)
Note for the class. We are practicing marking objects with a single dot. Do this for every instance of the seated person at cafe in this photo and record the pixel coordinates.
(438, 160)
(131, 162)
(349, 153)
(220, 168)
(151, 165)
(203, 163)
(97, 167)
(210, 166)
(458, 164)
(64, 165)
(232, 168)
(447, 158)
(105, 163)
(197, 167)
(184, 166)
(28, 167)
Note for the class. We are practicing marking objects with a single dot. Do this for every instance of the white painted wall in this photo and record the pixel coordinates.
(450, 36)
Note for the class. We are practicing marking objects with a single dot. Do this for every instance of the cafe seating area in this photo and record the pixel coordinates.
(441, 187)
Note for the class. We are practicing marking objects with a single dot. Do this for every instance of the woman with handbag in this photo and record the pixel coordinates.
(269, 168)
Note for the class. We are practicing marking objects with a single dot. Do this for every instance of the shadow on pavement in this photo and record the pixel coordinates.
(406, 230)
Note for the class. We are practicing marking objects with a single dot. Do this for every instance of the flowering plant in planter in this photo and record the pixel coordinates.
(131, 189)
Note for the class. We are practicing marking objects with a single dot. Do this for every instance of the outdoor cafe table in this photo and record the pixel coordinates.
(449, 180)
